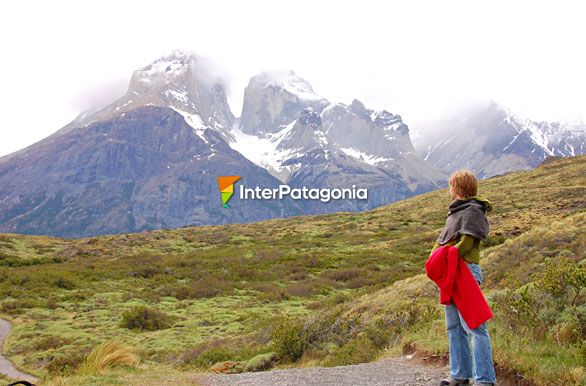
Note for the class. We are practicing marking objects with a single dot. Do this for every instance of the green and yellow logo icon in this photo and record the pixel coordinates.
(226, 184)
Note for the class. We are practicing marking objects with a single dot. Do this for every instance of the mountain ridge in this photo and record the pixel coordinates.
(286, 131)
(490, 139)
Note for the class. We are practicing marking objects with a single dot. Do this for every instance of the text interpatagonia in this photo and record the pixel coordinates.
(303, 193)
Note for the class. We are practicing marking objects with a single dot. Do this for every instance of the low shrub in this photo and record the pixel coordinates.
(289, 338)
(359, 350)
(64, 283)
(65, 363)
(146, 318)
(261, 362)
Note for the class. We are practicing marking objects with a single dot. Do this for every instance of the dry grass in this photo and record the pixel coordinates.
(106, 356)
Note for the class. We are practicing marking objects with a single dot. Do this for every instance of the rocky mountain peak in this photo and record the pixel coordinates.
(385, 119)
(179, 80)
(310, 117)
(166, 72)
(286, 81)
(149, 159)
(274, 99)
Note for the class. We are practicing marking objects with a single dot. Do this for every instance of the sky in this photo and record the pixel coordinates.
(420, 59)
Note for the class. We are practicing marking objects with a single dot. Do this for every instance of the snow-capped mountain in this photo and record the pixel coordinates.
(178, 81)
(559, 138)
(149, 160)
(283, 120)
(272, 100)
(302, 154)
(380, 139)
(491, 140)
(315, 160)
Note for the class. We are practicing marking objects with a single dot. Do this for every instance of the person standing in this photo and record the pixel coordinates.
(466, 225)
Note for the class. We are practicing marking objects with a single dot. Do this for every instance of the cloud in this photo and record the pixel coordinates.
(411, 58)
(98, 94)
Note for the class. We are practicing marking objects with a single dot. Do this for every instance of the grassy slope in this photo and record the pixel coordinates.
(524, 339)
(65, 296)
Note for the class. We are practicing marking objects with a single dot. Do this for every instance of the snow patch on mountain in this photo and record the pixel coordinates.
(173, 64)
(364, 157)
(538, 136)
(195, 121)
(263, 151)
(321, 138)
(180, 96)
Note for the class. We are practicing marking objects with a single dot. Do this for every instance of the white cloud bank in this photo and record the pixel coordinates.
(415, 58)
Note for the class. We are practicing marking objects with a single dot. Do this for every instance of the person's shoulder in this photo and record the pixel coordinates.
(479, 205)
(482, 201)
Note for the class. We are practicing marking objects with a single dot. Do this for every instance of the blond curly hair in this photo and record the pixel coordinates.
(464, 183)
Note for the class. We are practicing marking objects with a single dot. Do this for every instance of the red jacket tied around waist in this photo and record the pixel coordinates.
(457, 285)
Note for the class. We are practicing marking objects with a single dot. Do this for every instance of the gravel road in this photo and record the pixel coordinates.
(394, 371)
(6, 367)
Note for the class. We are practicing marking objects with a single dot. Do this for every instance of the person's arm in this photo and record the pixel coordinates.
(465, 244)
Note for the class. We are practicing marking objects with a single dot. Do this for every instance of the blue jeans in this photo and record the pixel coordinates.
(461, 365)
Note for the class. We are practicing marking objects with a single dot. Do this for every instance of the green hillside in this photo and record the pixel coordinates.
(330, 289)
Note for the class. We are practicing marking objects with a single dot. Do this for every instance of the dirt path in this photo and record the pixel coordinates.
(401, 371)
(424, 370)
(6, 367)
(393, 372)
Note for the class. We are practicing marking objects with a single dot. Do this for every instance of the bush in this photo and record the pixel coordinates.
(289, 338)
(215, 351)
(344, 274)
(18, 306)
(379, 334)
(517, 308)
(571, 326)
(550, 306)
(563, 279)
(302, 289)
(357, 282)
(178, 291)
(64, 283)
(359, 350)
(261, 362)
(51, 342)
(211, 356)
(271, 292)
(65, 364)
(208, 287)
(146, 318)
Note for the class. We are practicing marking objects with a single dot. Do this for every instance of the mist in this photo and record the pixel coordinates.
(416, 59)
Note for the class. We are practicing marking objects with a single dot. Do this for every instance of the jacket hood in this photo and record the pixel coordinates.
(467, 216)
(482, 200)
(458, 205)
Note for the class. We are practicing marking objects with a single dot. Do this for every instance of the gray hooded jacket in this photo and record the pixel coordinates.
(466, 217)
